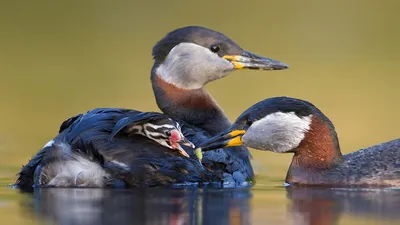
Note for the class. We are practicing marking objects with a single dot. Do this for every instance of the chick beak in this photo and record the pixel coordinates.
(248, 60)
(226, 139)
(184, 141)
(176, 139)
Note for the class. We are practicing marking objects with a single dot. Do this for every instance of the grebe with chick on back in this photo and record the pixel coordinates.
(185, 60)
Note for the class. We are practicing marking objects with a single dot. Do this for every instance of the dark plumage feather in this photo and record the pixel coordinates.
(224, 161)
(101, 120)
(140, 118)
(68, 122)
(26, 175)
(376, 164)
(89, 151)
(149, 163)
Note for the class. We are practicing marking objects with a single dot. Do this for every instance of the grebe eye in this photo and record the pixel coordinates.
(249, 123)
(168, 133)
(215, 48)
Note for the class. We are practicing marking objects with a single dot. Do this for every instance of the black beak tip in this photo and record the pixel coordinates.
(279, 66)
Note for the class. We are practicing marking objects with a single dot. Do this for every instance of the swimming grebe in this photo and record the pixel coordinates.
(185, 60)
(289, 125)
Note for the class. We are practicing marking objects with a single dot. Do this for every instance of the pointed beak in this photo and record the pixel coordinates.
(249, 60)
(181, 151)
(184, 141)
(226, 139)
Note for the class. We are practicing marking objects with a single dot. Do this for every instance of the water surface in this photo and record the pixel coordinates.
(191, 205)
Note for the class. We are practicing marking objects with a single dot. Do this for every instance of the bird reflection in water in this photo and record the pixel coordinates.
(193, 205)
(173, 206)
(325, 206)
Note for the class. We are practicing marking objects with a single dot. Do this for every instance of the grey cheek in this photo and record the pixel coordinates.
(256, 140)
(223, 65)
(204, 70)
(220, 68)
(212, 63)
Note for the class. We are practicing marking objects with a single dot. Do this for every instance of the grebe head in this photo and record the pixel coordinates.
(155, 126)
(280, 125)
(190, 57)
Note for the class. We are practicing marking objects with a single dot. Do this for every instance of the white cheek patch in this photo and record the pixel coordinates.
(277, 132)
(191, 66)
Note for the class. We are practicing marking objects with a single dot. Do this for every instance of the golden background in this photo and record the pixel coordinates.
(58, 59)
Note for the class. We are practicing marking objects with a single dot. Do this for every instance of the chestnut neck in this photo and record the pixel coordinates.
(192, 106)
(317, 153)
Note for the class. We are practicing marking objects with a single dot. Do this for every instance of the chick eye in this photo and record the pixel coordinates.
(249, 123)
(168, 133)
(215, 48)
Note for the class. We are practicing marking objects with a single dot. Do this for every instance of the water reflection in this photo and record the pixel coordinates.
(142, 206)
(326, 205)
(176, 206)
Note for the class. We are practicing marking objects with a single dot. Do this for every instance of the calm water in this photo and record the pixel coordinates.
(191, 205)
(58, 59)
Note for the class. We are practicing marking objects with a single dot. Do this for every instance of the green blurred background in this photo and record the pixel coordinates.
(58, 59)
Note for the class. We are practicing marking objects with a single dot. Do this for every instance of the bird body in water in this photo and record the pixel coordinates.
(69, 161)
(289, 125)
(185, 60)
